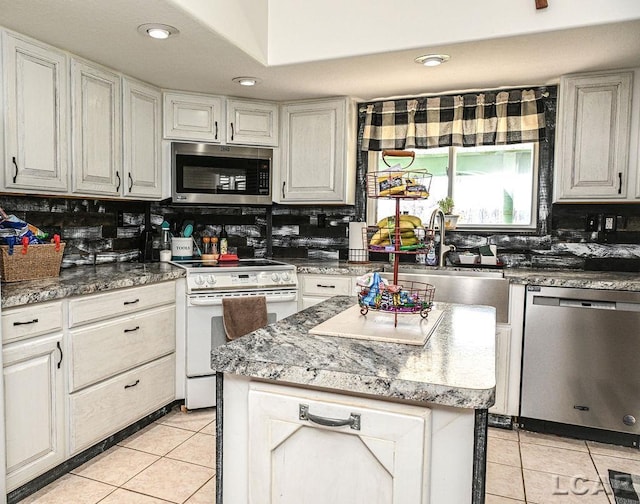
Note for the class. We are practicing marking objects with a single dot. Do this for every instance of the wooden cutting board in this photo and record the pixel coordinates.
(412, 329)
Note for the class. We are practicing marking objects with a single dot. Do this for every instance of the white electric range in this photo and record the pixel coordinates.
(206, 285)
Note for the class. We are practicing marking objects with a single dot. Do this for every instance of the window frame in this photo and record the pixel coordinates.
(372, 205)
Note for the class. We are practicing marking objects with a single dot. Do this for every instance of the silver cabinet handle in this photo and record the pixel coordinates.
(353, 421)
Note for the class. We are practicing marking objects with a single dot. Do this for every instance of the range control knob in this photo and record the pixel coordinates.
(285, 276)
(199, 280)
(275, 277)
(211, 279)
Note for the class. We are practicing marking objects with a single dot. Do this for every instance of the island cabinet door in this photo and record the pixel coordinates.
(379, 457)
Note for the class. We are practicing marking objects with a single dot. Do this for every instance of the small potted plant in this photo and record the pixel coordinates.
(446, 205)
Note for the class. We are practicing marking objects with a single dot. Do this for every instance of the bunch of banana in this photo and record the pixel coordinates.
(387, 231)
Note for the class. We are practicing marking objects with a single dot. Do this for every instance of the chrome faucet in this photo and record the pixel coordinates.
(443, 248)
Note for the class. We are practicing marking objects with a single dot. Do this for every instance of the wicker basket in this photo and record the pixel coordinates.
(40, 261)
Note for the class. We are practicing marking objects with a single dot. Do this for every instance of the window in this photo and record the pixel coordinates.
(493, 187)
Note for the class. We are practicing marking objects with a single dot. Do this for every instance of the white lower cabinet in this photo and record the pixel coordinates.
(122, 363)
(34, 407)
(379, 458)
(317, 288)
(77, 371)
(99, 411)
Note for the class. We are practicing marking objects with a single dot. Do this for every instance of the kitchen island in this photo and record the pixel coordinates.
(415, 417)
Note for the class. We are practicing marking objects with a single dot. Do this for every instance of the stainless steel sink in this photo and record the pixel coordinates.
(464, 287)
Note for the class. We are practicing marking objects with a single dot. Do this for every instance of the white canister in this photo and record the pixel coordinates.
(165, 255)
(181, 248)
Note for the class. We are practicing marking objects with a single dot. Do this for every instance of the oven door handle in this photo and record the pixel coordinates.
(217, 301)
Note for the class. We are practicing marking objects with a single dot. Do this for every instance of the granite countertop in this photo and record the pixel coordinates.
(87, 280)
(605, 280)
(456, 367)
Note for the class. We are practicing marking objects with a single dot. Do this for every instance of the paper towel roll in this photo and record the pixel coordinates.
(357, 244)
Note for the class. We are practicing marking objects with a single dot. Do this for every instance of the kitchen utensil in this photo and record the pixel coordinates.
(187, 231)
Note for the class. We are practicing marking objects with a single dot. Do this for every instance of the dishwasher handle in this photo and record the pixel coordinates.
(587, 303)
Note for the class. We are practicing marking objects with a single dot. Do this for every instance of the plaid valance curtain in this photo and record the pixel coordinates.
(489, 118)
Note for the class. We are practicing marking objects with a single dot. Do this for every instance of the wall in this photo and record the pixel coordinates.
(107, 231)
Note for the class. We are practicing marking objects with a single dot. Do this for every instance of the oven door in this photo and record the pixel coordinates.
(205, 329)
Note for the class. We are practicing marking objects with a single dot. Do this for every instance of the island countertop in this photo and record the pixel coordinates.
(456, 367)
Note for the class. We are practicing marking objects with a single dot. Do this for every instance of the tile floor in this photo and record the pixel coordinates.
(172, 461)
(527, 467)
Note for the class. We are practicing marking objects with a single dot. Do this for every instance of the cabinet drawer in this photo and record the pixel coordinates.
(102, 350)
(119, 302)
(106, 408)
(326, 285)
(32, 320)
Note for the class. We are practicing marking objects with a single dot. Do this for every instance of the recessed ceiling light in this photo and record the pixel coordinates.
(432, 59)
(246, 81)
(158, 31)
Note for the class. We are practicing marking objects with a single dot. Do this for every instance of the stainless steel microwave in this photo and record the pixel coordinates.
(220, 174)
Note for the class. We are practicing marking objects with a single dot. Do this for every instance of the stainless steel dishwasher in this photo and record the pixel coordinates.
(580, 367)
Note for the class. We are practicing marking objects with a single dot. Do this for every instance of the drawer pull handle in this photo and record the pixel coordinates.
(132, 385)
(61, 354)
(34, 321)
(353, 421)
(132, 330)
(326, 286)
(131, 302)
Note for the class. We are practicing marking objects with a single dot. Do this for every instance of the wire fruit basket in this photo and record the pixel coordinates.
(410, 297)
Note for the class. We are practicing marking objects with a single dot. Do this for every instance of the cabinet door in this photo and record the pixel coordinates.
(34, 407)
(313, 160)
(252, 123)
(96, 120)
(192, 117)
(503, 344)
(593, 137)
(36, 123)
(141, 140)
(293, 460)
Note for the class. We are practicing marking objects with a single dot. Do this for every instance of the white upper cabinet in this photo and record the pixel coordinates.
(35, 116)
(141, 106)
(252, 122)
(317, 153)
(593, 132)
(96, 130)
(193, 117)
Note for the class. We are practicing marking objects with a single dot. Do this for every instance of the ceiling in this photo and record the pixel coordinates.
(200, 60)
